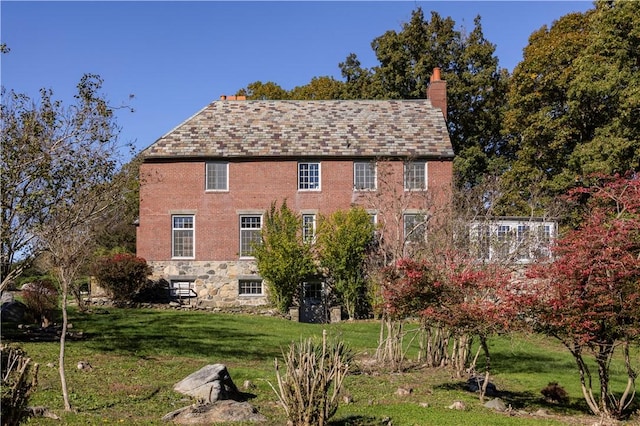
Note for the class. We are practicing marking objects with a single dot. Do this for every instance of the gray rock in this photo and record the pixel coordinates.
(209, 384)
(217, 412)
(13, 311)
(457, 405)
(496, 404)
(474, 384)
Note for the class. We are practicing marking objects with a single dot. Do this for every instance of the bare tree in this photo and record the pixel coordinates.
(59, 181)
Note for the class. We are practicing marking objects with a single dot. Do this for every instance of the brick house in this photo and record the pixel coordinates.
(206, 184)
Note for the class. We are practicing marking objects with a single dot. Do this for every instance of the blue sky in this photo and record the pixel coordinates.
(177, 57)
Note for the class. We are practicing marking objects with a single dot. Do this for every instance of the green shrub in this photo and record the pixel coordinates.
(122, 275)
(41, 299)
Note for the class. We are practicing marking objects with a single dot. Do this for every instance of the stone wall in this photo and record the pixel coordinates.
(215, 282)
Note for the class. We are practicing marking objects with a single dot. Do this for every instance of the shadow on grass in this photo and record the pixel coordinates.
(149, 333)
(184, 334)
(526, 362)
(525, 400)
(359, 421)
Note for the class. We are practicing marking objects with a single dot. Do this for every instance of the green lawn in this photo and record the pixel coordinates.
(138, 355)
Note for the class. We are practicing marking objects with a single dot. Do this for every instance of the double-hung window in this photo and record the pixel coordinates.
(308, 227)
(250, 226)
(364, 175)
(414, 227)
(183, 235)
(217, 176)
(504, 240)
(415, 176)
(309, 176)
(524, 241)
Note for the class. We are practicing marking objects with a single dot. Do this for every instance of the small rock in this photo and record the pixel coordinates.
(541, 413)
(248, 384)
(42, 412)
(347, 399)
(51, 365)
(457, 405)
(424, 404)
(496, 404)
(84, 366)
(404, 391)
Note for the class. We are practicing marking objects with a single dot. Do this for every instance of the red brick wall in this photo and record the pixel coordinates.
(176, 187)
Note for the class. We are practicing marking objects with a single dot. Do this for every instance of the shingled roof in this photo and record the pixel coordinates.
(357, 128)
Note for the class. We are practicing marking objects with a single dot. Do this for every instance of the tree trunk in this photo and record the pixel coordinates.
(630, 390)
(390, 346)
(433, 345)
(603, 359)
(65, 321)
(460, 354)
(585, 377)
(487, 366)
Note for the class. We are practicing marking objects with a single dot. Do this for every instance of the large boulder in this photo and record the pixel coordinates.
(209, 384)
(218, 399)
(217, 412)
(13, 311)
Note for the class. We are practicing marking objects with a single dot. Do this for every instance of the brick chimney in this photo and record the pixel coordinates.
(233, 98)
(437, 92)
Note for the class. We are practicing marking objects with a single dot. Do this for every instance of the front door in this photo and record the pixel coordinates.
(313, 307)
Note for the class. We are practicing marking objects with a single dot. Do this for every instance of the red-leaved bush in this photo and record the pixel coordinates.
(589, 297)
(41, 299)
(122, 275)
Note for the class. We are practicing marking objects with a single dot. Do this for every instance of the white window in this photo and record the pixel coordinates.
(364, 175)
(309, 176)
(504, 240)
(524, 241)
(182, 289)
(503, 232)
(217, 176)
(374, 218)
(523, 233)
(250, 226)
(414, 227)
(250, 287)
(415, 175)
(183, 228)
(308, 227)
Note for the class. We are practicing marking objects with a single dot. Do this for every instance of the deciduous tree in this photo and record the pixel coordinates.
(588, 298)
(344, 241)
(574, 112)
(284, 259)
(59, 163)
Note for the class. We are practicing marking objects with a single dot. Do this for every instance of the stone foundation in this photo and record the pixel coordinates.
(215, 283)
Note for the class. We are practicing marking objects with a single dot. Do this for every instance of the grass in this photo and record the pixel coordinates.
(138, 355)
